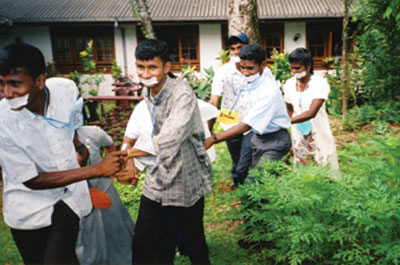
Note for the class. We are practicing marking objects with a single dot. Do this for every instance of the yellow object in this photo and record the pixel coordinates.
(228, 118)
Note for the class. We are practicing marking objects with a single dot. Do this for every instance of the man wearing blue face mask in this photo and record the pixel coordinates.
(266, 116)
(44, 192)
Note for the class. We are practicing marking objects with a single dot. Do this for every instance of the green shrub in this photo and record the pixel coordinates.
(201, 82)
(303, 216)
(388, 112)
(281, 66)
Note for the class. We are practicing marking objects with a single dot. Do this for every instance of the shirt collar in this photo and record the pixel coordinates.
(256, 82)
(164, 92)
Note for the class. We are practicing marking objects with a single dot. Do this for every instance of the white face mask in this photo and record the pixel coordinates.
(16, 103)
(235, 59)
(149, 82)
(300, 75)
(251, 78)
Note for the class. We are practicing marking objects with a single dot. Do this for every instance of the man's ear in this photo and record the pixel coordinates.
(167, 67)
(40, 81)
(264, 64)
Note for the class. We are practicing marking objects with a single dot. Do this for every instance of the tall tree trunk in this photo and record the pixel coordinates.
(345, 62)
(140, 10)
(243, 17)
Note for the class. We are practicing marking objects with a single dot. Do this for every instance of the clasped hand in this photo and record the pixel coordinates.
(129, 173)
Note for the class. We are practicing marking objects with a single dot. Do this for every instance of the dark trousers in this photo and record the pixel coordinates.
(270, 146)
(150, 230)
(240, 151)
(50, 245)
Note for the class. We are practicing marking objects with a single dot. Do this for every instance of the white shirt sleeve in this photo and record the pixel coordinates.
(321, 87)
(218, 82)
(139, 128)
(260, 115)
(134, 125)
(207, 111)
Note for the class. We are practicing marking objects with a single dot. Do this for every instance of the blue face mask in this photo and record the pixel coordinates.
(75, 118)
(304, 127)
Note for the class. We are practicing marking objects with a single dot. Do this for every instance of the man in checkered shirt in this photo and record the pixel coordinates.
(181, 176)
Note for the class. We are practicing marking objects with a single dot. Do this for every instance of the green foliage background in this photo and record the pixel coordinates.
(378, 45)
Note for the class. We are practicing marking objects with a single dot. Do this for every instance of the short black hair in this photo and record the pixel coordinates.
(22, 55)
(253, 52)
(150, 48)
(302, 56)
(234, 40)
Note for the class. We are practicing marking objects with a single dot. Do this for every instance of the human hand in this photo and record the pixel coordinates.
(130, 175)
(112, 163)
(209, 142)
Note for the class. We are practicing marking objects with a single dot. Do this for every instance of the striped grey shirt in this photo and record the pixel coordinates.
(182, 173)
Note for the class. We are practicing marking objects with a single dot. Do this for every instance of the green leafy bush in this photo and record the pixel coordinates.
(388, 112)
(335, 80)
(199, 82)
(379, 34)
(281, 67)
(304, 216)
(94, 78)
(223, 56)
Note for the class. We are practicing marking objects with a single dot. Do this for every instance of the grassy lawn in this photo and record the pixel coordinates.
(8, 251)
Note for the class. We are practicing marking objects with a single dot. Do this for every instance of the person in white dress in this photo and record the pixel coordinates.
(305, 96)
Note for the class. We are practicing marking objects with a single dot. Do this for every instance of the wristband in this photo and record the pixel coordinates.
(214, 136)
(79, 148)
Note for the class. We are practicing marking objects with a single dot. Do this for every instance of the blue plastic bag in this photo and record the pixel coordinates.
(304, 127)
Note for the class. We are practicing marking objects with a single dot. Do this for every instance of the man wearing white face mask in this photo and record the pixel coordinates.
(228, 83)
(180, 175)
(44, 195)
(266, 116)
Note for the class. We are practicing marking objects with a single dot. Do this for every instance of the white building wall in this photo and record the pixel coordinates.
(290, 31)
(125, 50)
(210, 45)
(38, 36)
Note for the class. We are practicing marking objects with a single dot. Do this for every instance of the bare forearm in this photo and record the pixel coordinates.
(305, 116)
(127, 143)
(226, 135)
(137, 153)
(316, 104)
(233, 132)
(214, 100)
(107, 167)
(49, 180)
